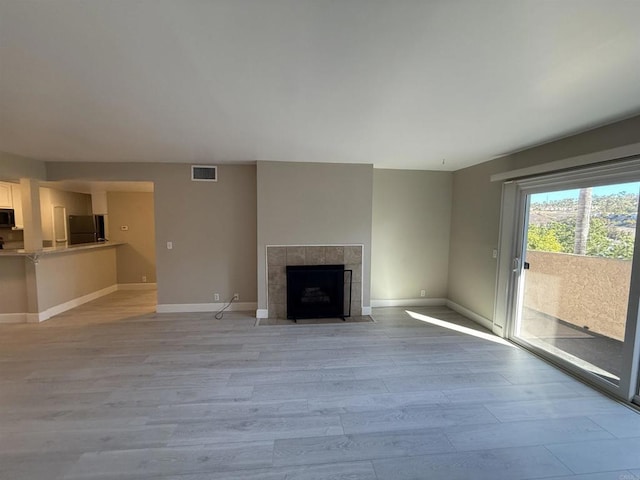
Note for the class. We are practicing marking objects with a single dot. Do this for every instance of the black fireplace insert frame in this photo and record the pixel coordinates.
(334, 291)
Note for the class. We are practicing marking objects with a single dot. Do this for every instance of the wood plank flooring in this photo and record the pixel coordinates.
(112, 390)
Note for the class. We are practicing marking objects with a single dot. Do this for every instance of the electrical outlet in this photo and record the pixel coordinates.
(236, 296)
(423, 293)
(169, 245)
(144, 279)
(494, 253)
(216, 297)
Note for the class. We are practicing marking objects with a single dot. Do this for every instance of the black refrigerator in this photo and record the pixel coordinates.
(86, 229)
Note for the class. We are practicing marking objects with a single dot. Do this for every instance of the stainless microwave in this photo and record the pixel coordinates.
(7, 218)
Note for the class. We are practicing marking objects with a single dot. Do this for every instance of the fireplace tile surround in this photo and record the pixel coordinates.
(278, 257)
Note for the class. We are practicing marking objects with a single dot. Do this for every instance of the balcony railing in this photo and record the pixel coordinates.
(584, 291)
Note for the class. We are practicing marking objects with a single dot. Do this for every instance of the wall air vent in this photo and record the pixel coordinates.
(204, 173)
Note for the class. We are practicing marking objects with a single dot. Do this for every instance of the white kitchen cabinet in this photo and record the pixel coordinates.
(16, 194)
(6, 200)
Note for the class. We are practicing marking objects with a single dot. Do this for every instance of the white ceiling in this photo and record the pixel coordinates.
(396, 83)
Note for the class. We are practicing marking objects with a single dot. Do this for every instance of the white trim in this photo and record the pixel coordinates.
(409, 302)
(572, 162)
(485, 322)
(366, 310)
(204, 307)
(63, 307)
(13, 318)
(137, 286)
(262, 313)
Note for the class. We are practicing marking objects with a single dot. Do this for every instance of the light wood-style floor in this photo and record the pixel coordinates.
(114, 391)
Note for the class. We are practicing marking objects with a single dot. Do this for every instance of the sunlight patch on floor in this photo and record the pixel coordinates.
(459, 328)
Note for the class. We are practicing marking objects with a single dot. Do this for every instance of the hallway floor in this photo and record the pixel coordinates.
(112, 390)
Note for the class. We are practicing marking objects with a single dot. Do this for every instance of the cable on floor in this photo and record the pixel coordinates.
(220, 313)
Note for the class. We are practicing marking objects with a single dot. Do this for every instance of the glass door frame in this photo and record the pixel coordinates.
(512, 249)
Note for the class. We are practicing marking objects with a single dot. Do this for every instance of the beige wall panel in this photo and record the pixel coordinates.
(138, 257)
(15, 167)
(64, 277)
(213, 229)
(107, 171)
(475, 221)
(312, 203)
(13, 289)
(410, 234)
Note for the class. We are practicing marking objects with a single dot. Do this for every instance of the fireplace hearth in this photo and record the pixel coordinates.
(318, 291)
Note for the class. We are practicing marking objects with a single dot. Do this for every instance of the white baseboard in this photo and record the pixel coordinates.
(63, 307)
(137, 286)
(205, 307)
(485, 322)
(366, 310)
(409, 302)
(13, 318)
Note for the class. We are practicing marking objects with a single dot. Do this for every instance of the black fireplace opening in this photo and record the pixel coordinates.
(318, 291)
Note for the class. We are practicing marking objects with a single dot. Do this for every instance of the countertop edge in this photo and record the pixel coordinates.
(58, 250)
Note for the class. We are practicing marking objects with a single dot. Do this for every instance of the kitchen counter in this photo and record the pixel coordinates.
(38, 284)
(58, 250)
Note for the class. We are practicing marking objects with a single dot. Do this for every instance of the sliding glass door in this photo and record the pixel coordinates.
(574, 288)
(577, 274)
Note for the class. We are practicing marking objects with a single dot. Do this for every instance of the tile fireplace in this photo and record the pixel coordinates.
(279, 257)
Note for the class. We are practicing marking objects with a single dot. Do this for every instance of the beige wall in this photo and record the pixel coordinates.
(74, 203)
(213, 229)
(111, 171)
(313, 204)
(581, 290)
(410, 234)
(475, 221)
(212, 226)
(13, 288)
(476, 210)
(615, 135)
(65, 277)
(138, 257)
(15, 167)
